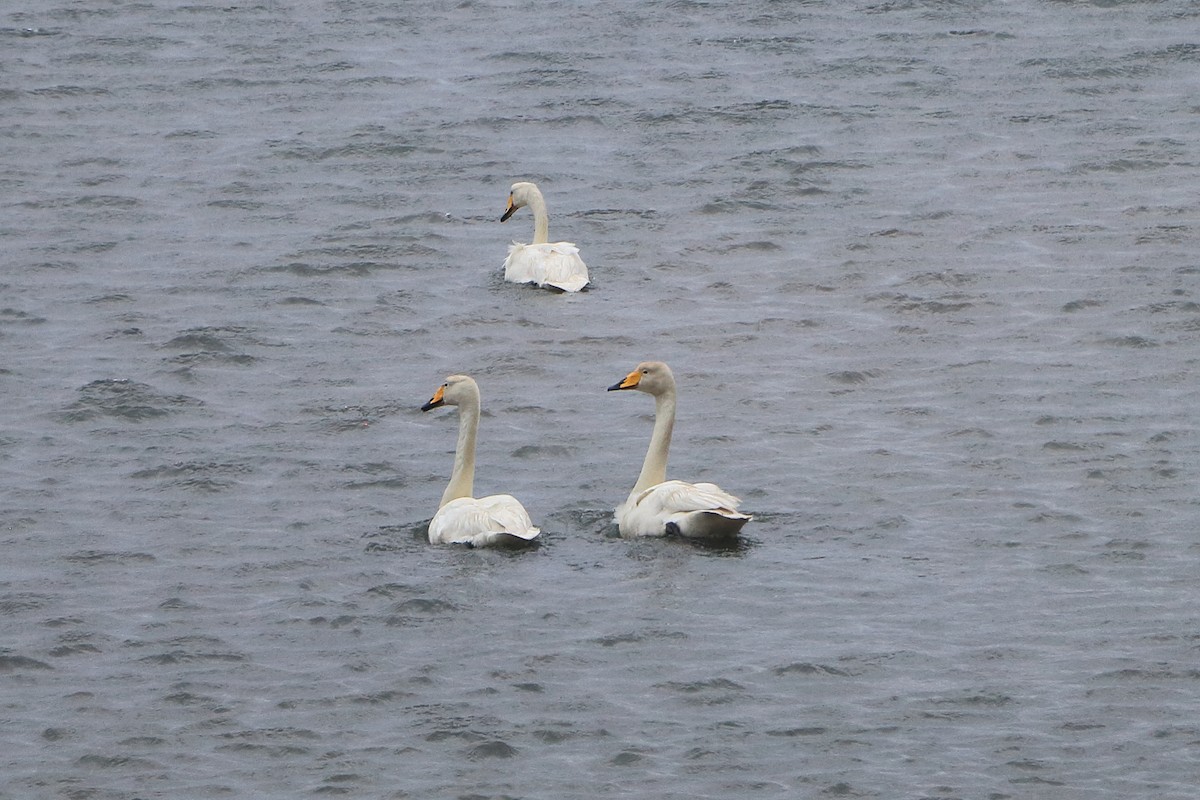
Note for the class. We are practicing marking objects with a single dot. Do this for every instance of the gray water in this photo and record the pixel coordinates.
(926, 273)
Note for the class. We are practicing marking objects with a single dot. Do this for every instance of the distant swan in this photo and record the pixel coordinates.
(555, 264)
(499, 519)
(657, 506)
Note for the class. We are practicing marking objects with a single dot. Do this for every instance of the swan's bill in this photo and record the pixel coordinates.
(438, 399)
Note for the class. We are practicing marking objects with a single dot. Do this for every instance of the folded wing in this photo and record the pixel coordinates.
(482, 521)
(556, 264)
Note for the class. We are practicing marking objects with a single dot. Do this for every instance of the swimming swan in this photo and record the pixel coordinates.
(657, 506)
(499, 519)
(555, 264)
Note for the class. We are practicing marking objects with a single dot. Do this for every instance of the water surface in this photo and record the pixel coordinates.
(925, 272)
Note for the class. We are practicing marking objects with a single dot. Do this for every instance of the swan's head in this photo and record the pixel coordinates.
(521, 194)
(651, 377)
(455, 391)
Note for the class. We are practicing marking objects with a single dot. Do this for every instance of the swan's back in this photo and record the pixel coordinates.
(692, 510)
(482, 521)
(556, 264)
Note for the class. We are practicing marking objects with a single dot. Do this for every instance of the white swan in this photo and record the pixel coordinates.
(498, 519)
(545, 263)
(657, 506)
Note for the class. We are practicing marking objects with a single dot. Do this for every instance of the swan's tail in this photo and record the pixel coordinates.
(507, 538)
(715, 524)
(570, 285)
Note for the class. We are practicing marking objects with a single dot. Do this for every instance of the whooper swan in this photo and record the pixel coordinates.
(546, 263)
(657, 506)
(498, 519)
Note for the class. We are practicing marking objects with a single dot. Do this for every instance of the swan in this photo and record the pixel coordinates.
(657, 506)
(498, 519)
(555, 264)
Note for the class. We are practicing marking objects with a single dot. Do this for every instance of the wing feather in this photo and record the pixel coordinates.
(692, 509)
(481, 521)
(556, 264)
(672, 497)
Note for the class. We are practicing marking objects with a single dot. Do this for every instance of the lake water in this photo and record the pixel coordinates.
(926, 273)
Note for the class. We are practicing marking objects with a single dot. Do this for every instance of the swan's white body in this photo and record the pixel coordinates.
(545, 263)
(657, 506)
(496, 520)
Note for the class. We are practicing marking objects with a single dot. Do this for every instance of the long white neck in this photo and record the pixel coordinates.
(541, 219)
(462, 479)
(654, 468)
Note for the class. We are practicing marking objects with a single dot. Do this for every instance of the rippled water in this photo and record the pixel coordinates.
(926, 273)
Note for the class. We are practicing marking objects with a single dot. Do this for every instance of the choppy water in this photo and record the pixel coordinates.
(926, 273)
